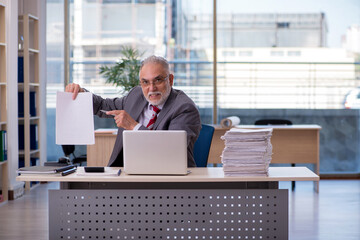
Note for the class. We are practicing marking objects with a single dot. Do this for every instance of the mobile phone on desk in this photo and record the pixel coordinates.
(94, 169)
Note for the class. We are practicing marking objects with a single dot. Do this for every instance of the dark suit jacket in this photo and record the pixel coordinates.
(179, 113)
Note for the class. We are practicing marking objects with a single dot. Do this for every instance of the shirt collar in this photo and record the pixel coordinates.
(158, 106)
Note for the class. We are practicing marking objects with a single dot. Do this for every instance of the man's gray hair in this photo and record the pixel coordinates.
(156, 59)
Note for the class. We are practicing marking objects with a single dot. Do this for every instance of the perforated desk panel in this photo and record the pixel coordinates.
(168, 214)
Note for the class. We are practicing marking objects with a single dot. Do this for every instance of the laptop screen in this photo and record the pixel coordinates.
(155, 152)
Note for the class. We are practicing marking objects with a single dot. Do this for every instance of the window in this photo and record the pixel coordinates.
(283, 25)
(245, 53)
(277, 53)
(228, 53)
(294, 53)
(298, 68)
(54, 70)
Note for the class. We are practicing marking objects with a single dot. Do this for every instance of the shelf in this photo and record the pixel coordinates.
(32, 86)
(32, 152)
(21, 84)
(2, 44)
(2, 123)
(34, 120)
(2, 84)
(3, 162)
(31, 17)
(31, 50)
(21, 119)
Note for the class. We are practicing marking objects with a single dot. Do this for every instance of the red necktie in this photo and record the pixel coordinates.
(154, 117)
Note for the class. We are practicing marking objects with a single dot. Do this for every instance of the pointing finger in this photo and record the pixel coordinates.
(113, 112)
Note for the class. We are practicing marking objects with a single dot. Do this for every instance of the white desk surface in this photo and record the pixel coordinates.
(297, 126)
(211, 174)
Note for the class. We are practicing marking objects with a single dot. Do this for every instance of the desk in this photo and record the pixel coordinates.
(291, 144)
(201, 205)
(98, 155)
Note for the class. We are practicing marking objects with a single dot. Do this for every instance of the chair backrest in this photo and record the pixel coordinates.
(202, 145)
(273, 122)
(68, 149)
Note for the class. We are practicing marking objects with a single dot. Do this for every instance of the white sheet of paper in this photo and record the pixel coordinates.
(74, 119)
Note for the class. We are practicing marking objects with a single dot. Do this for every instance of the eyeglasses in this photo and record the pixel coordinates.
(156, 82)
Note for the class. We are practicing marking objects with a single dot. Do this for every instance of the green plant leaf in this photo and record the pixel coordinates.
(125, 73)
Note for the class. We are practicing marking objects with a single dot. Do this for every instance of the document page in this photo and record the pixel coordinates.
(74, 119)
(108, 172)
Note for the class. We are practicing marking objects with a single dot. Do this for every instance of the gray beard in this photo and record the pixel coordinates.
(163, 98)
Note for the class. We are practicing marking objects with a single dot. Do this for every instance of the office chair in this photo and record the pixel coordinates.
(277, 122)
(69, 150)
(202, 145)
(273, 122)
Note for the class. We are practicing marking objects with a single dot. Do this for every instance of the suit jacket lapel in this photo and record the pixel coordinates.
(165, 109)
(140, 109)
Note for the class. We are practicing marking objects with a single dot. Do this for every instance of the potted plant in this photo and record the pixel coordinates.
(125, 73)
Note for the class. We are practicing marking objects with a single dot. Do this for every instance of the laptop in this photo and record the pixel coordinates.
(155, 152)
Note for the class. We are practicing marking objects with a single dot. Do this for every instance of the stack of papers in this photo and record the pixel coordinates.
(247, 152)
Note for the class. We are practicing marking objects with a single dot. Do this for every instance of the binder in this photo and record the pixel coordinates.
(44, 169)
(20, 69)
(32, 104)
(33, 136)
(3, 146)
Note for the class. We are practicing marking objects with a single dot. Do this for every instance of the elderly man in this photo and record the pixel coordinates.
(154, 105)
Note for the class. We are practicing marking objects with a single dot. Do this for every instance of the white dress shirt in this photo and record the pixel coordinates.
(146, 115)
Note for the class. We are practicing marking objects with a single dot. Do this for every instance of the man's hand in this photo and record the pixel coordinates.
(123, 119)
(74, 88)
